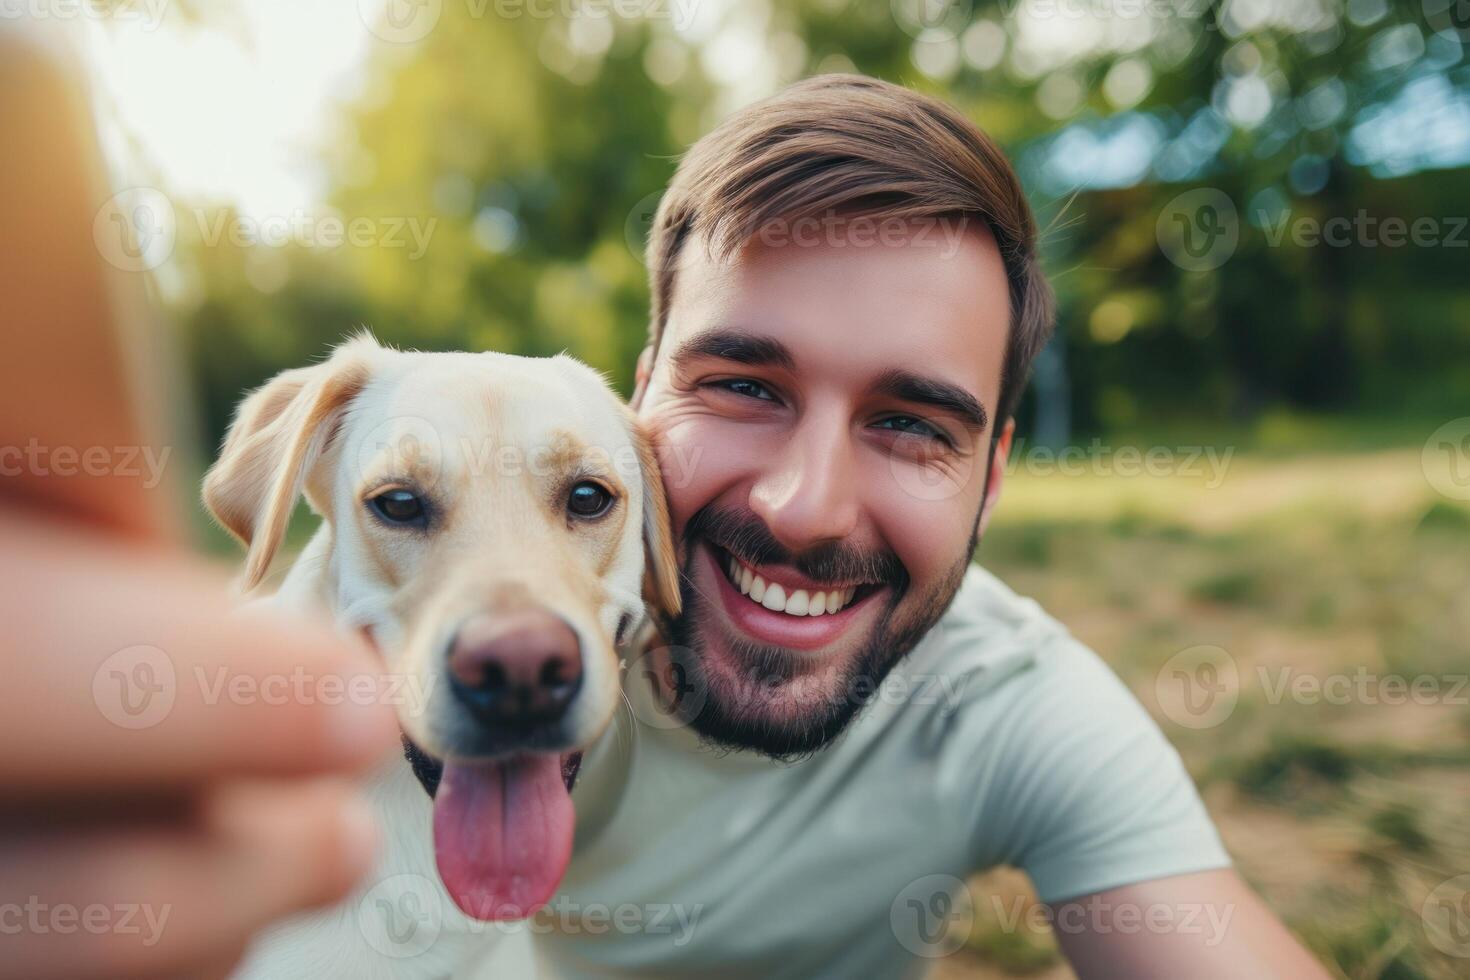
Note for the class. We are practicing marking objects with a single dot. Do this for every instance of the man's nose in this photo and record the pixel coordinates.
(809, 493)
(516, 671)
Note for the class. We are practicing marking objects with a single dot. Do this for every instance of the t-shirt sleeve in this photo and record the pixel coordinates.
(1080, 788)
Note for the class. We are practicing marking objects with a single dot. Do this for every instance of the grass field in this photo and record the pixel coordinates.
(1331, 584)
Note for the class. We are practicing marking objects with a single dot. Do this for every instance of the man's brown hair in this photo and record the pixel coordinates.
(853, 146)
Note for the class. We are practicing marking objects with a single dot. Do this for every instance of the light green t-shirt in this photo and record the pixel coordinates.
(1000, 740)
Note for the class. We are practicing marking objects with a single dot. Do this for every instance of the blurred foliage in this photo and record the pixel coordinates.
(537, 147)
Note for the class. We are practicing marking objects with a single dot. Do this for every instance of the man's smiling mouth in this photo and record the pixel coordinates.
(788, 599)
(777, 605)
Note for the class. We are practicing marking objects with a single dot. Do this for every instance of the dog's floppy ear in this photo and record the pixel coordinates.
(279, 431)
(661, 565)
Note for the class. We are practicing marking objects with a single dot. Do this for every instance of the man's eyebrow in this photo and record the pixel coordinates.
(910, 387)
(732, 345)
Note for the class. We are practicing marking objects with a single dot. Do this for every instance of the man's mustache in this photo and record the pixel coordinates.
(746, 537)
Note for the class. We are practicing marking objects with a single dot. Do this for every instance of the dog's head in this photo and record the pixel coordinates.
(494, 523)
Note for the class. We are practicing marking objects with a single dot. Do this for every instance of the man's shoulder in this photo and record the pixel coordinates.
(989, 628)
(984, 602)
(1010, 659)
(1051, 761)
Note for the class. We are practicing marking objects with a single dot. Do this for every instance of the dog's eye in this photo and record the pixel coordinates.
(398, 507)
(589, 499)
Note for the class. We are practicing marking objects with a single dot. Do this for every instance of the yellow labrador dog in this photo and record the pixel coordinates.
(492, 525)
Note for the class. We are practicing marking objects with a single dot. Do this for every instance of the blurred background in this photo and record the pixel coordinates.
(1244, 466)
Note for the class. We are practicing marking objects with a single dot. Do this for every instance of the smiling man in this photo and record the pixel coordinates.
(848, 719)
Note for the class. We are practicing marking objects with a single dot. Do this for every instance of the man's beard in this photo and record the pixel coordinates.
(752, 710)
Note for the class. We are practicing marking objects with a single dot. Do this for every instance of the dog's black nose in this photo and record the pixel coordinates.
(516, 670)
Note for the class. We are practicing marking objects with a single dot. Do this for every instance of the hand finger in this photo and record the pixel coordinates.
(147, 903)
(219, 968)
(128, 667)
(77, 371)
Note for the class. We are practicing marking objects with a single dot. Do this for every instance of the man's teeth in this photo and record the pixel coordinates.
(775, 598)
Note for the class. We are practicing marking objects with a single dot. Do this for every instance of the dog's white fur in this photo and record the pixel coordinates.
(493, 441)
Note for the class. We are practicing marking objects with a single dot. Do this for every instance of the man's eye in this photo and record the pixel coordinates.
(746, 388)
(398, 507)
(908, 425)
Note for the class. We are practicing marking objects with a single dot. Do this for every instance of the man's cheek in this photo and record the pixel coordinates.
(702, 460)
(929, 537)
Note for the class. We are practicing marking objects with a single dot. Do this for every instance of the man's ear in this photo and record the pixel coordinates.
(641, 374)
(996, 473)
(661, 565)
(278, 433)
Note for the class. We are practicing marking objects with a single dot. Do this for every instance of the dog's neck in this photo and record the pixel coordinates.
(309, 583)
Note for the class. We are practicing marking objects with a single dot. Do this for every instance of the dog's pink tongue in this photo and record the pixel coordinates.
(503, 835)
